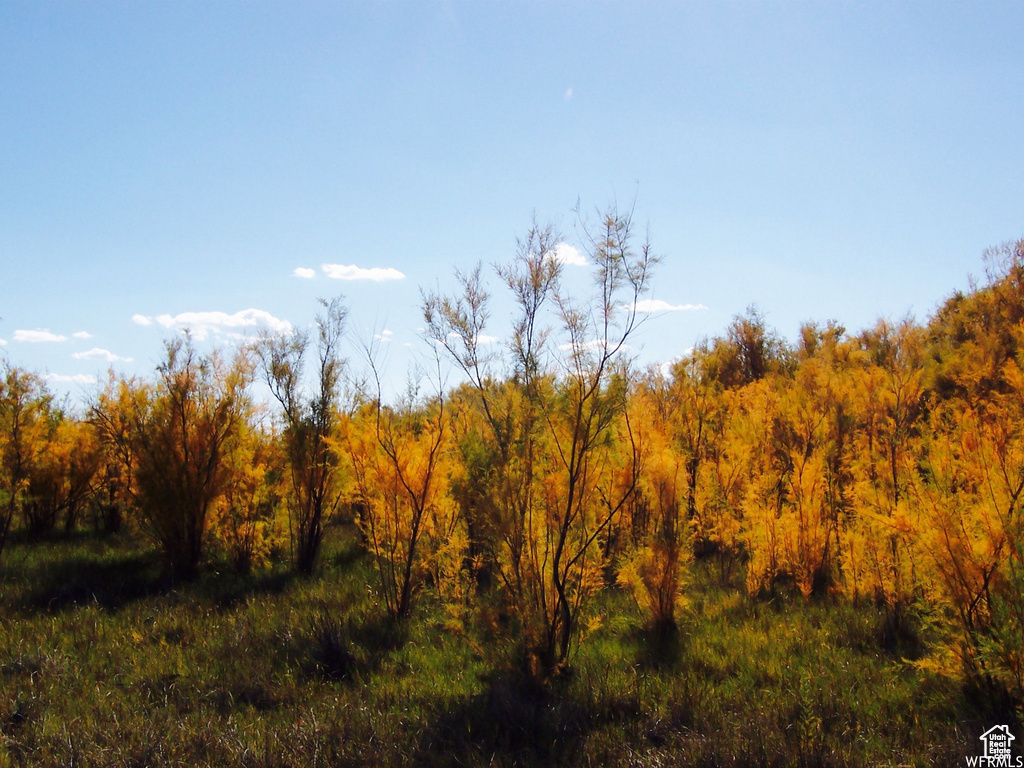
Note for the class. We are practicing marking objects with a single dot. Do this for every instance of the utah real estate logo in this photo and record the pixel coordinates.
(997, 750)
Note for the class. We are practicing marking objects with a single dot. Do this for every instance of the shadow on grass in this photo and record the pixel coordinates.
(114, 579)
(228, 590)
(512, 721)
(988, 701)
(517, 721)
(350, 648)
(659, 648)
(350, 551)
(111, 581)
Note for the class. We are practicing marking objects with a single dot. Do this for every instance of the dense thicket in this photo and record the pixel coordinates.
(885, 465)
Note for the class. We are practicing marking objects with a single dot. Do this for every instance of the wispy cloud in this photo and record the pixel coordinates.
(568, 94)
(202, 324)
(78, 378)
(37, 337)
(483, 338)
(565, 254)
(658, 305)
(305, 273)
(592, 345)
(384, 336)
(352, 272)
(142, 320)
(82, 335)
(100, 354)
(3, 342)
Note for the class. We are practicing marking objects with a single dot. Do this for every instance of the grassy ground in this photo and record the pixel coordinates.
(103, 664)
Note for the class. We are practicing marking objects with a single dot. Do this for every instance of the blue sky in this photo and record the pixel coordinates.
(176, 163)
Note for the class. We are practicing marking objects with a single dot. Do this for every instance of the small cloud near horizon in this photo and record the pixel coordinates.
(482, 338)
(100, 354)
(38, 337)
(592, 344)
(352, 272)
(142, 320)
(82, 335)
(202, 324)
(305, 273)
(658, 305)
(78, 378)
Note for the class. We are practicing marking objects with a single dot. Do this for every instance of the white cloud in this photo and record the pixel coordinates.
(202, 324)
(78, 378)
(3, 342)
(100, 354)
(384, 336)
(665, 369)
(565, 254)
(568, 94)
(142, 320)
(304, 272)
(592, 344)
(352, 272)
(35, 337)
(658, 305)
(483, 338)
(82, 335)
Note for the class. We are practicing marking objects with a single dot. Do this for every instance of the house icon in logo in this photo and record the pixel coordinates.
(997, 744)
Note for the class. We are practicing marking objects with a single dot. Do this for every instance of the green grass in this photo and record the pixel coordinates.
(102, 663)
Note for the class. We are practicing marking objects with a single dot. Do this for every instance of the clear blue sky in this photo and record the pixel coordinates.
(824, 160)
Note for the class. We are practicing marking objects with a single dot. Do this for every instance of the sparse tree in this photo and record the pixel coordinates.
(310, 423)
(559, 484)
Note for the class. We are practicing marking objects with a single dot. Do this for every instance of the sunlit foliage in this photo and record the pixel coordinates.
(247, 518)
(25, 406)
(174, 434)
(400, 460)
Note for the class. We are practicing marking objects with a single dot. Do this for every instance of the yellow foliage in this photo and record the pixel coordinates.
(401, 465)
(653, 574)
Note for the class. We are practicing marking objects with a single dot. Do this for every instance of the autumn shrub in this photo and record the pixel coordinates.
(972, 537)
(25, 405)
(247, 518)
(60, 481)
(174, 436)
(653, 566)
(400, 462)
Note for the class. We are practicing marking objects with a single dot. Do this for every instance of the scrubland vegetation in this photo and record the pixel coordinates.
(803, 553)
